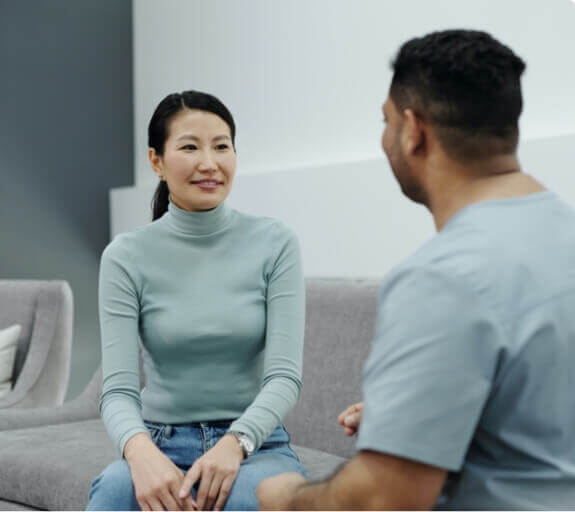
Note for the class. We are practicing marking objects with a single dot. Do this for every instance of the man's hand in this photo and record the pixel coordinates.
(276, 493)
(369, 481)
(216, 470)
(351, 418)
(156, 478)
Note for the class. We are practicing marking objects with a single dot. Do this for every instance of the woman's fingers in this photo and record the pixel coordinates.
(169, 502)
(224, 492)
(189, 480)
(213, 492)
(204, 488)
(153, 504)
(144, 504)
(190, 504)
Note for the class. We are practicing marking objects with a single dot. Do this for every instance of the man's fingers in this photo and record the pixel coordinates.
(224, 493)
(352, 420)
(352, 409)
(345, 412)
(189, 481)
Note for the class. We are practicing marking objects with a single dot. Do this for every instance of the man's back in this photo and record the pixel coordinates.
(472, 365)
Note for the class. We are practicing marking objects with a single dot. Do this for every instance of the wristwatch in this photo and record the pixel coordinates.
(245, 442)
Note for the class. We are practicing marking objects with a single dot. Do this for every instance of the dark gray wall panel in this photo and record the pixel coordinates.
(66, 138)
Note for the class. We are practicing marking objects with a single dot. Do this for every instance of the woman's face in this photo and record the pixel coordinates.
(199, 161)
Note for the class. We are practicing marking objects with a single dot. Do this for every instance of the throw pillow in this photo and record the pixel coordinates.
(8, 345)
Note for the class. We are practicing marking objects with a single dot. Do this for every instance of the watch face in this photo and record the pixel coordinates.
(247, 442)
(249, 445)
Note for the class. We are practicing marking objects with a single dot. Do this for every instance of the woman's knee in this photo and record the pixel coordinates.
(255, 469)
(113, 489)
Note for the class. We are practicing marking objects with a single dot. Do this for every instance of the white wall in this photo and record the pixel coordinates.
(305, 80)
(351, 218)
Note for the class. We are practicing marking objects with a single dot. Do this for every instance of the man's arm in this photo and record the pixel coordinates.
(371, 480)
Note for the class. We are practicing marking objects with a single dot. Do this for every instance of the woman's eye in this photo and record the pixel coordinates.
(190, 147)
(222, 146)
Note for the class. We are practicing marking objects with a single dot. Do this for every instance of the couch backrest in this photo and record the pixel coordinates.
(340, 322)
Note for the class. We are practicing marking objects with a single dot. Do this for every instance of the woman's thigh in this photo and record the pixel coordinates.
(113, 489)
(274, 457)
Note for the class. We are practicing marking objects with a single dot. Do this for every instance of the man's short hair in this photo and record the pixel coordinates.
(467, 85)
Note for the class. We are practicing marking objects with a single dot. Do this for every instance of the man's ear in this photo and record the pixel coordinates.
(414, 138)
(156, 162)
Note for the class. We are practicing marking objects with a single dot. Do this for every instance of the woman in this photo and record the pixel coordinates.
(217, 299)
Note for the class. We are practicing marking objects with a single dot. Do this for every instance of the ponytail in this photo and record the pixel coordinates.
(160, 200)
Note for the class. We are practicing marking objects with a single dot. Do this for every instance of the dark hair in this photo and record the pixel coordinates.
(158, 131)
(467, 85)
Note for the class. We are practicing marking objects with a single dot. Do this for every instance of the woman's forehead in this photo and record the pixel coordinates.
(199, 124)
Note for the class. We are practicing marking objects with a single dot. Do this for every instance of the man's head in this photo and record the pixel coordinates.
(465, 86)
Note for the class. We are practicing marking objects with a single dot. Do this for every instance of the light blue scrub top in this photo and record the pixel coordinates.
(473, 363)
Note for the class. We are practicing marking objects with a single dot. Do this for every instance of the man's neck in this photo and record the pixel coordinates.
(457, 186)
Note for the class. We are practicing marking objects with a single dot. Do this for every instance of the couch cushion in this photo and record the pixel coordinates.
(10, 505)
(52, 467)
(319, 465)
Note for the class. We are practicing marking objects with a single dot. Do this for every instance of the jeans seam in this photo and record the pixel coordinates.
(158, 434)
(203, 436)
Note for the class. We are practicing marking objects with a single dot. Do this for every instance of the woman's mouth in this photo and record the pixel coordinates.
(207, 184)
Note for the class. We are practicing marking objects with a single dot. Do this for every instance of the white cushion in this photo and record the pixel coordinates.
(8, 345)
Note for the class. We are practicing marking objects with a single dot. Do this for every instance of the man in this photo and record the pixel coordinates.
(470, 386)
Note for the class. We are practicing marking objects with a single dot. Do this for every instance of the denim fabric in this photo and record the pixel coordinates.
(183, 444)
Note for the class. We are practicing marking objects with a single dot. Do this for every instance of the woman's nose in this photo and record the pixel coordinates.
(207, 161)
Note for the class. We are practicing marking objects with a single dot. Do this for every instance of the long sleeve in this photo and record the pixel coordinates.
(120, 404)
(285, 322)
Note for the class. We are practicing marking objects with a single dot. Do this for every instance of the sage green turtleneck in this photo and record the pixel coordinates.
(216, 300)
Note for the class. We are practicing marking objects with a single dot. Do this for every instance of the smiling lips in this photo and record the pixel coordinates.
(207, 184)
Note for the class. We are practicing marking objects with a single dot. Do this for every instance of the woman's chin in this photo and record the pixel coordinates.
(202, 204)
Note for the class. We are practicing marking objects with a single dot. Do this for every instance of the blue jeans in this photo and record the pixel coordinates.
(113, 489)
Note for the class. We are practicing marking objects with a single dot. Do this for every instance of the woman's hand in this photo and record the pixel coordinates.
(156, 478)
(216, 470)
(351, 418)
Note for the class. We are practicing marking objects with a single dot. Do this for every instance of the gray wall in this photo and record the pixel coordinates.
(66, 138)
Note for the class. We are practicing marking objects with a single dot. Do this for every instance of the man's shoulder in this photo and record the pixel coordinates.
(456, 253)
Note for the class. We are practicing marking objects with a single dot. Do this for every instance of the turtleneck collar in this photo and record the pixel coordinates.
(198, 223)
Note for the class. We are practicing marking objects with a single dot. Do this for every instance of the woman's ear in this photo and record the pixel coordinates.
(156, 163)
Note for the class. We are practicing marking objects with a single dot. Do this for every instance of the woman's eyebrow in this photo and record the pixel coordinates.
(187, 136)
(193, 137)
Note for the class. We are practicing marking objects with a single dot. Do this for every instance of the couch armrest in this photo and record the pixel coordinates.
(74, 410)
(83, 407)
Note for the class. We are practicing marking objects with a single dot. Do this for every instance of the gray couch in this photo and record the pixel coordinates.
(49, 456)
(44, 309)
